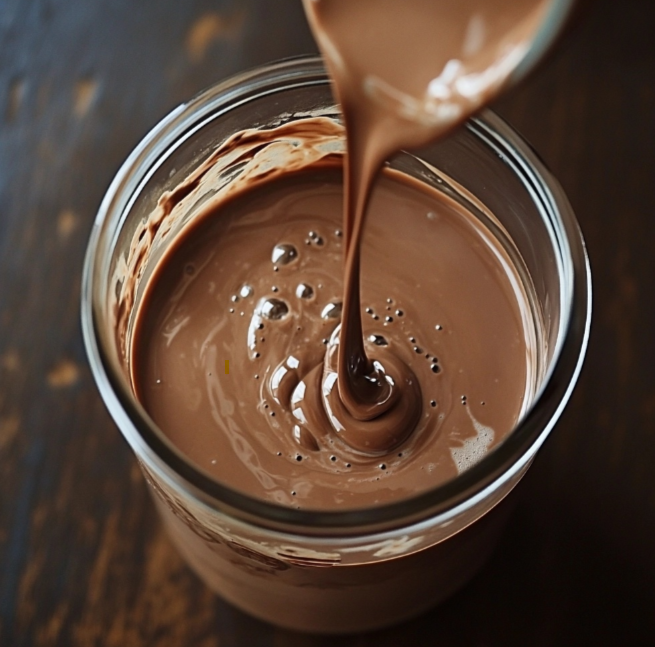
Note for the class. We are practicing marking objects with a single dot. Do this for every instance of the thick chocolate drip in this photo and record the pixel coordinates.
(405, 73)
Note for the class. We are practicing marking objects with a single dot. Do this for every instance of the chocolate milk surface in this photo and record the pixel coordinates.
(365, 386)
(258, 281)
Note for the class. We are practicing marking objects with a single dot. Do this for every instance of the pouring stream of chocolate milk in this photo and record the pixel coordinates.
(358, 413)
(405, 73)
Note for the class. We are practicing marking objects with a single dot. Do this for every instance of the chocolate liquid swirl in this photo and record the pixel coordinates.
(405, 73)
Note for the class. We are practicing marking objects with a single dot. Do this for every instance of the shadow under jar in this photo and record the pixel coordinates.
(347, 570)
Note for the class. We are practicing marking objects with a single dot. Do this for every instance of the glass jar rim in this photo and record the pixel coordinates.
(462, 492)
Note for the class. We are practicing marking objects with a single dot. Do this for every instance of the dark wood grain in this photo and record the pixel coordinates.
(83, 560)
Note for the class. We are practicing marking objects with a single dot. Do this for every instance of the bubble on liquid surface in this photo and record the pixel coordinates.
(284, 253)
(274, 309)
(332, 310)
(378, 340)
(304, 291)
(316, 238)
(246, 291)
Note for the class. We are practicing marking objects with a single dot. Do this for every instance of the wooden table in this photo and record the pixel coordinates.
(83, 559)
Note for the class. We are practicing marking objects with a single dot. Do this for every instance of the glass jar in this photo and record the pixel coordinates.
(332, 571)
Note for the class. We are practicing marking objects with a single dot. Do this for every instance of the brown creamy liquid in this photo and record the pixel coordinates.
(258, 281)
(359, 387)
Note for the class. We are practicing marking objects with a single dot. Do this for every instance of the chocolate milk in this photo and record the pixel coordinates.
(258, 282)
(295, 382)
(441, 295)
(355, 418)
